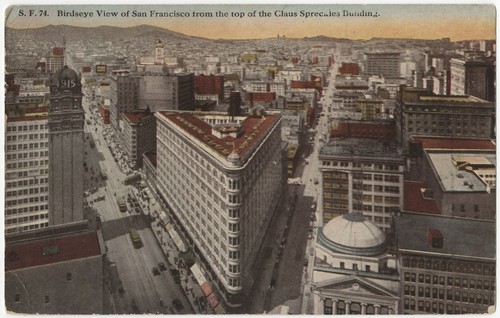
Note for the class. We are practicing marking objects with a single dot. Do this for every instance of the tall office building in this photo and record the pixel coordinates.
(210, 84)
(66, 148)
(361, 175)
(26, 171)
(222, 177)
(138, 135)
(474, 77)
(386, 64)
(161, 91)
(55, 59)
(124, 95)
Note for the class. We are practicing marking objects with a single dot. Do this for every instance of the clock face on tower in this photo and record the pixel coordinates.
(66, 80)
(67, 83)
(66, 91)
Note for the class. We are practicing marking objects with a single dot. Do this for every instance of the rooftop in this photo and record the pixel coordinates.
(462, 237)
(451, 143)
(29, 114)
(364, 147)
(135, 117)
(253, 128)
(415, 199)
(351, 233)
(446, 98)
(448, 168)
(51, 250)
(348, 94)
(27, 118)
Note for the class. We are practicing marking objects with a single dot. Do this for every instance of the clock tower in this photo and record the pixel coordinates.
(66, 148)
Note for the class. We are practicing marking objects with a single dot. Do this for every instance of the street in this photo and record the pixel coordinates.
(287, 257)
(133, 286)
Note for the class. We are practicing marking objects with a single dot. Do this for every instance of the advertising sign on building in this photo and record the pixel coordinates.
(101, 69)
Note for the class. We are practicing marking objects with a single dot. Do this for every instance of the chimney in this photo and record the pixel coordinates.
(435, 238)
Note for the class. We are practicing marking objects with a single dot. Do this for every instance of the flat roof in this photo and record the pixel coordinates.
(453, 179)
(446, 98)
(252, 128)
(415, 200)
(56, 249)
(454, 143)
(135, 117)
(366, 147)
(462, 237)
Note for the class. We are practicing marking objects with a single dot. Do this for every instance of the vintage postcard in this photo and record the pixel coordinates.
(250, 159)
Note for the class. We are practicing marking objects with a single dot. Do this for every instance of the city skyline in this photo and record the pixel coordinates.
(464, 22)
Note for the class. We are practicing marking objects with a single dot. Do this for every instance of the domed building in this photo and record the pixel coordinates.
(352, 272)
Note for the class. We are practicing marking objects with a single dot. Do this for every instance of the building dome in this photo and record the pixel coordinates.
(351, 234)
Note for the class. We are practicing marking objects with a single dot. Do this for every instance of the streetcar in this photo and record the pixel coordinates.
(122, 205)
(136, 239)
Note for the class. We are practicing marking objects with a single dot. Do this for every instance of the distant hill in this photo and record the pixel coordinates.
(105, 33)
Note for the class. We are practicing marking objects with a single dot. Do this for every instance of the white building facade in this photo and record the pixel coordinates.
(26, 173)
(222, 177)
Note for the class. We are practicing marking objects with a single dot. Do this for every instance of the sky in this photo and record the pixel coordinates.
(422, 21)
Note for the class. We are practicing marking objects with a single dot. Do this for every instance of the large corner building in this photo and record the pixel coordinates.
(222, 177)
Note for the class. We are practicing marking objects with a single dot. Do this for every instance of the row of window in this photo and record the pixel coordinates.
(26, 228)
(25, 209)
(461, 267)
(27, 127)
(27, 146)
(25, 155)
(27, 137)
(25, 183)
(439, 308)
(27, 173)
(448, 131)
(346, 164)
(450, 281)
(27, 200)
(449, 295)
(373, 188)
(27, 218)
(381, 220)
(465, 124)
(29, 191)
(461, 110)
(26, 164)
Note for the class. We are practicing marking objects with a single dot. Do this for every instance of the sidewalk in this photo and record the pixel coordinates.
(188, 283)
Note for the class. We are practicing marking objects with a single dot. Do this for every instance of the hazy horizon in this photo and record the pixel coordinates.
(408, 21)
